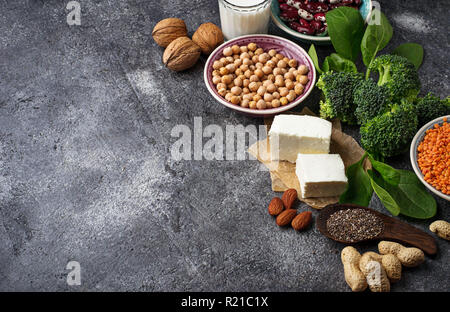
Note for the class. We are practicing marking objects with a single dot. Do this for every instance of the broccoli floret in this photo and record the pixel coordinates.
(337, 89)
(399, 75)
(370, 100)
(390, 134)
(431, 107)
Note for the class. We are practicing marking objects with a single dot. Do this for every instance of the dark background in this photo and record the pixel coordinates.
(86, 173)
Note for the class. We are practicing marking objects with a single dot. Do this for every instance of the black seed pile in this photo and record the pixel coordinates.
(353, 225)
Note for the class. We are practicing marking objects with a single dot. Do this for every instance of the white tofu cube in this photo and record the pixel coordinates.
(290, 135)
(321, 175)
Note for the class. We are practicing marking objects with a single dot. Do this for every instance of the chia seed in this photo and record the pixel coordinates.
(353, 225)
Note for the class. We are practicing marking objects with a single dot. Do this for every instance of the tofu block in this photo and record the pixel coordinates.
(290, 135)
(321, 175)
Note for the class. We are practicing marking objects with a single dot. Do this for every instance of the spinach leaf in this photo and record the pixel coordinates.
(337, 63)
(359, 190)
(389, 174)
(346, 29)
(313, 54)
(412, 51)
(376, 37)
(387, 200)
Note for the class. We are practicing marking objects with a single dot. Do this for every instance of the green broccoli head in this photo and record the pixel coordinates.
(390, 133)
(431, 107)
(397, 74)
(370, 100)
(337, 91)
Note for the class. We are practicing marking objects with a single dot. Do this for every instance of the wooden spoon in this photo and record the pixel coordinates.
(394, 229)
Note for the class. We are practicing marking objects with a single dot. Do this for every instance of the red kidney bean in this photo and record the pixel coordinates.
(304, 23)
(316, 7)
(281, 1)
(334, 1)
(305, 14)
(289, 16)
(299, 28)
(357, 2)
(294, 3)
(347, 2)
(285, 7)
(322, 29)
(316, 25)
(319, 17)
(336, 5)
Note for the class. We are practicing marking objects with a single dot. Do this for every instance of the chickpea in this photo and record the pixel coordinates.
(299, 88)
(244, 55)
(222, 91)
(226, 79)
(237, 82)
(231, 68)
(279, 81)
(274, 59)
(247, 96)
(223, 71)
(217, 64)
(230, 59)
(216, 72)
(245, 103)
(246, 83)
(281, 64)
(263, 58)
(268, 97)
(235, 99)
(224, 61)
(257, 97)
(254, 78)
(303, 69)
(275, 103)
(283, 91)
(237, 62)
(238, 71)
(259, 65)
(277, 71)
(230, 85)
(236, 56)
(272, 53)
(261, 90)
(228, 51)
(266, 83)
(271, 77)
(286, 60)
(242, 77)
(253, 86)
(252, 67)
(279, 56)
(228, 96)
(247, 62)
(292, 63)
(289, 76)
(271, 64)
(271, 87)
(291, 96)
(267, 70)
(245, 90)
(251, 53)
(261, 104)
(235, 48)
(248, 73)
(284, 101)
(289, 84)
(292, 69)
(255, 59)
(243, 49)
(221, 85)
(284, 71)
(268, 105)
(259, 73)
(243, 67)
(303, 79)
(216, 80)
(295, 73)
(252, 46)
(276, 95)
(252, 105)
(259, 51)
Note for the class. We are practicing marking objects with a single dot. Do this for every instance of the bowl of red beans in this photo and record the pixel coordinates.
(305, 20)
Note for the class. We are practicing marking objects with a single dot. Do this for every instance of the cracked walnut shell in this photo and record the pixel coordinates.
(208, 36)
(181, 54)
(167, 30)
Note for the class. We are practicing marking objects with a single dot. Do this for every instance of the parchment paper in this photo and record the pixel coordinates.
(282, 173)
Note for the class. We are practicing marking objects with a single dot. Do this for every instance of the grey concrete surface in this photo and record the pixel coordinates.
(86, 174)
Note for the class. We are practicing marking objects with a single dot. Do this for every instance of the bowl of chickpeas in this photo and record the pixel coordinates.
(259, 75)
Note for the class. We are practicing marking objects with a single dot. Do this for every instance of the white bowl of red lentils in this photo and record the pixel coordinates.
(259, 75)
(430, 156)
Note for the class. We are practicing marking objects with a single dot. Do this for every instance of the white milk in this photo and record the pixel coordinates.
(244, 17)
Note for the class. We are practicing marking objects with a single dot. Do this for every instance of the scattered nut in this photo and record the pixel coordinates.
(181, 54)
(275, 206)
(302, 221)
(289, 198)
(409, 257)
(350, 258)
(286, 217)
(167, 30)
(208, 36)
(441, 228)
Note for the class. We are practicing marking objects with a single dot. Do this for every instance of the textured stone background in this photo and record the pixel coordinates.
(86, 174)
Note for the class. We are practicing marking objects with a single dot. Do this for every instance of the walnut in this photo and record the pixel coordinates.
(208, 36)
(181, 54)
(168, 30)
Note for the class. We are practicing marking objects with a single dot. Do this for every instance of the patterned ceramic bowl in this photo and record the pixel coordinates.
(413, 153)
(267, 42)
(365, 9)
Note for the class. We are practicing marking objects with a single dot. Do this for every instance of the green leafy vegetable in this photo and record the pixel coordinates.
(337, 63)
(378, 185)
(313, 54)
(412, 51)
(359, 190)
(346, 29)
(389, 174)
(376, 37)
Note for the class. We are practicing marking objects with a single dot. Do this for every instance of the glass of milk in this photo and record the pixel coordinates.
(244, 17)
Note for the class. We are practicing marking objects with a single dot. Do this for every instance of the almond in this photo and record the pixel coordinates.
(286, 217)
(302, 220)
(289, 197)
(275, 206)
